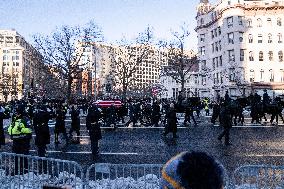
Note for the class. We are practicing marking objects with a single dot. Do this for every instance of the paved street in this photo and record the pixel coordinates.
(251, 145)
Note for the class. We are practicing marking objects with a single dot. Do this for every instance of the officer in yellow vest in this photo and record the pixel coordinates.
(20, 132)
(206, 106)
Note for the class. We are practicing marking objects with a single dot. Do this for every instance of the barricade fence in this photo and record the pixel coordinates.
(259, 176)
(123, 176)
(32, 172)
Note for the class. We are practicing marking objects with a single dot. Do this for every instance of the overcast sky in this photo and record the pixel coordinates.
(115, 17)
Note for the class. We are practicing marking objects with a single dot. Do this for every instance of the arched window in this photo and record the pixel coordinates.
(251, 58)
(279, 22)
(279, 36)
(250, 38)
(251, 75)
(259, 22)
(271, 73)
(280, 56)
(249, 23)
(270, 56)
(269, 38)
(260, 56)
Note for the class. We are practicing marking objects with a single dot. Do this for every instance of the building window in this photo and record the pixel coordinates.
(269, 22)
(250, 38)
(220, 61)
(213, 63)
(5, 57)
(251, 58)
(231, 38)
(279, 38)
(249, 23)
(212, 34)
(269, 38)
(242, 54)
(220, 46)
(5, 63)
(280, 56)
(15, 63)
(259, 40)
(202, 37)
(231, 55)
(219, 30)
(281, 75)
(231, 74)
(202, 50)
(271, 79)
(240, 20)
(261, 74)
(212, 46)
(216, 46)
(259, 22)
(251, 75)
(241, 37)
(260, 56)
(270, 55)
(230, 22)
(279, 22)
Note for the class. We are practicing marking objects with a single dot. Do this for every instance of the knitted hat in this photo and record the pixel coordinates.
(192, 170)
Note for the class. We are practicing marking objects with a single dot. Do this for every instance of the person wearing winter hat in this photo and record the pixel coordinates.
(192, 170)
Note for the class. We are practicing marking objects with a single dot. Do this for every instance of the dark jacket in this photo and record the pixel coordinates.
(41, 128)
(75, 117)
(225, 117)
(92, 123)
(3, 115)
(60, 121)
(171, 121)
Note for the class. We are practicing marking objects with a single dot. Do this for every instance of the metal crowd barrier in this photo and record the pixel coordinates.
(31, 172)
(123, 176)
(259, 176)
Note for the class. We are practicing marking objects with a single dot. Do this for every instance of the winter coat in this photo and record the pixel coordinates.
(92, 124)
(60, 121)
(225, 117)
(41, 128)
(171, 121)
(75, 117)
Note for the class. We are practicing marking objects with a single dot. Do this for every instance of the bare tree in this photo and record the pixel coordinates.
(65, 49)
(180, 63)
(128, 57)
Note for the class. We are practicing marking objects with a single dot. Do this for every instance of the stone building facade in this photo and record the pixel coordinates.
(241, 47)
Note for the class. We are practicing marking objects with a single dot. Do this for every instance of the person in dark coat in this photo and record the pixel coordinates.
(171, 125)
(40, 122)
(226, 122)
(216, 112)
(60, 124)
(3, 115)
(75, 123)
(156, 114)
(93, 125)
(111, 116)
(189, 113)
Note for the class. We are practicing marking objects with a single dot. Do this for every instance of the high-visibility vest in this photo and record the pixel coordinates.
(17, 130)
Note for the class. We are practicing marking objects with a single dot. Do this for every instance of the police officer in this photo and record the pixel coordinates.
(93, 125)
(265, 99)
(226, 122)
(60, 124)
(20, 131)
(40, 123)
(206, 106)
(75, 124)
(21, 134)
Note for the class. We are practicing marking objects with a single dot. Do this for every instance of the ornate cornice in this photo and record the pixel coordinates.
(245, 8)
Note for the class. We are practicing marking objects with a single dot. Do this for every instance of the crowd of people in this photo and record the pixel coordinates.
(33, 117)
